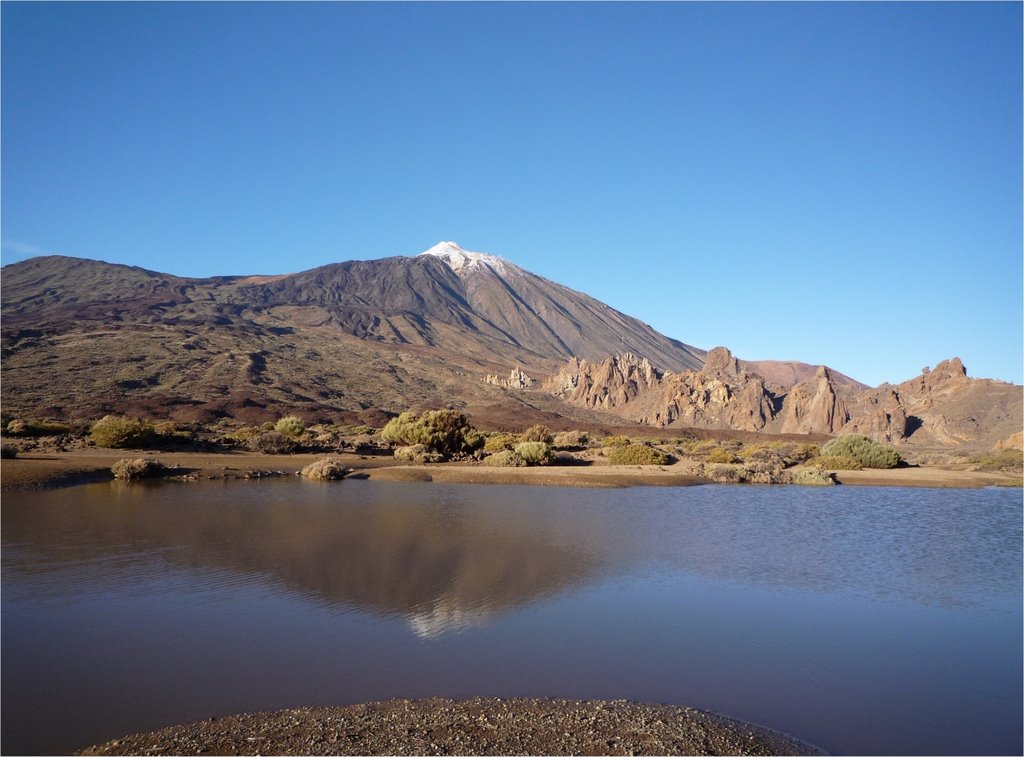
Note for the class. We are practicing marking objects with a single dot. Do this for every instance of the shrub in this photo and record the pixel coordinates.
(498, 442)
(719, 455)
(327, 469)
(444, 431)
(506, 458)
(615, 441)
(537, 433)
(7, 452)
(1006, 459)
(128, 469)
(867, 452)
(571, 440)
(122, 432)
(271, 443)
(290, 425)
(812, 477)
(418, 454)
(725, 474)
(535, 453)
(637, 454)
(20, 427)
(834, 462)
(803, 452)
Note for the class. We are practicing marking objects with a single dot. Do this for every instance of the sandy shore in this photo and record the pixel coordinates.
(49, 469)
(471, 726)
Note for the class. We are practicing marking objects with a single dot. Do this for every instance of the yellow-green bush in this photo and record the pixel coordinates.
(615, 441)
(290, 425)
(506, 458)
(122, 432)
(834, 462)
(571, 440)
(535, 453)
(719, 455)
(812, 477)
(1005, 459)
(867, 452)
(417, 454)
(537, 433)
(444, 431)
(637, 454)
(498, 441)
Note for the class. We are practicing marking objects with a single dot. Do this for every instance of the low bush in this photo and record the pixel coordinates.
(535, 453)
(444, 431)
(637, 454)
(122, 432)
(571, 440)
(537, 433)
(417, 454)
(290, 425)
(7, 452)
(506, 458)
(271, 443)
(499, 441)
(1005, 459)
(128, 469)
(719, 455)
(801, 453)
(867, 452)
(21, 427)
(834, 462)
(615, 441)
(725, 474)
(326, 469)
(812, 477)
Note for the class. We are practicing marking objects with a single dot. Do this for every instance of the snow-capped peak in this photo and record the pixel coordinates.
(462, 261)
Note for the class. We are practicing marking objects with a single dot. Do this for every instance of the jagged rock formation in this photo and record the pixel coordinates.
(940, 407)
(517, 379)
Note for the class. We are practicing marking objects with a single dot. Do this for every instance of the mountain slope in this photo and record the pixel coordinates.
(84, 337)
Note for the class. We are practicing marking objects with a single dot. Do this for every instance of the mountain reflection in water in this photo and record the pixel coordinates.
(439, 565)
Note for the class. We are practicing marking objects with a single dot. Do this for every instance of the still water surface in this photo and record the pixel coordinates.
(863, 620)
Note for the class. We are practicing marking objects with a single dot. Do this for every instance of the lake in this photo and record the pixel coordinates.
(863, 620)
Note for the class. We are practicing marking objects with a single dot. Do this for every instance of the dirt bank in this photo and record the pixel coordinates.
(51, 468)
(473, 726)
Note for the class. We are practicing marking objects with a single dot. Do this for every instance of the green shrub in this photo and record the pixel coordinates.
(7, 452)
(803, 452)
(834, 462)
(128, 469)
(637, 454)
(21, 427)
(325, 470)
(537, 433)
(290, 425)
(417, 454)
(535, 453)
(499, 441)
(506, 458)
(271, 443)
(719, 455)
(571, 440)
(1005, 459)
(812, 477)
(615, 441)
(867, 452)
(444, 431)
(122, 432)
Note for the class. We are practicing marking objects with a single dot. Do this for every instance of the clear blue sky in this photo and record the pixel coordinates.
(834, 183)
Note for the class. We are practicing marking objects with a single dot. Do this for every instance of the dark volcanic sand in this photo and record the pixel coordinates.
(470, 726)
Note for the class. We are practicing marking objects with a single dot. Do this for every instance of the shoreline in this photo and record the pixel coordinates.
(477, 726)
(46, 469)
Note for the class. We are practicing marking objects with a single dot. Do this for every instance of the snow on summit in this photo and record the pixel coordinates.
(462, 261)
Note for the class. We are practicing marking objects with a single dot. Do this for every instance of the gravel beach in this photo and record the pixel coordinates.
(472, 727)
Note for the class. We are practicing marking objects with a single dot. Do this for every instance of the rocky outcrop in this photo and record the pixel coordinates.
(814, 407)
(517, 379)
(608, 385)
(941, 407)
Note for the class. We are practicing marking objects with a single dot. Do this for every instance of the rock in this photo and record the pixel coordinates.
(517, 379)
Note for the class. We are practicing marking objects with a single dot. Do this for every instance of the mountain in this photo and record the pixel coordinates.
(82, 337)
(941, 408)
